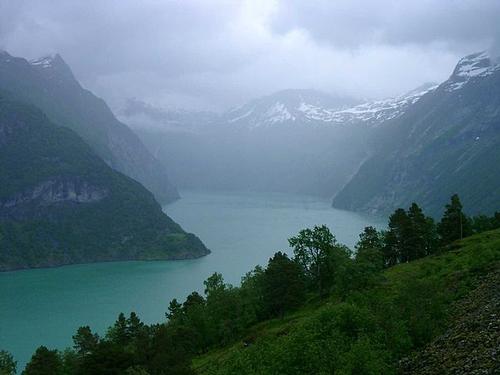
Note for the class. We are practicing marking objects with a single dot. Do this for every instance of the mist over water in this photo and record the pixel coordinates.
(46, 306)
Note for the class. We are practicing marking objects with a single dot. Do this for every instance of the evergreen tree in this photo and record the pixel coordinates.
(454, 224)
(118, 334)
(174, 310)
(7, 364)
(421, 235)
(44, 362)
(85, 341)
(283, 285)
(396, 240)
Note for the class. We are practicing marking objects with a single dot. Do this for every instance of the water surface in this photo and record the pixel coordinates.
(46, 306)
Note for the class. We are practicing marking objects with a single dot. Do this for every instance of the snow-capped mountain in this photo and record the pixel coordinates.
(471, 68)
(292, 107)
(49, 83)
(447, 142)
(287, 107)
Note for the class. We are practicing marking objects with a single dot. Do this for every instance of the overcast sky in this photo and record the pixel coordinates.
(217, 54)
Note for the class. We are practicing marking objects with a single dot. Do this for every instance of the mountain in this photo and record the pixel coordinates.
(298, 141)
(49, 84)
(61, 204)
(292, 107)
(266, 150)
(302, 107)
(447, 142)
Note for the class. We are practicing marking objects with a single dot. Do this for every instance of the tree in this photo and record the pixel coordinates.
(369, 247)
(283, 285)
(454, 225)
(7, 364)
(396, 238)
(134, 326)
(318, 253)
(422, 234)
(118, 334)
(369, 260)
(214, 284)
(174, 310)
(85, 341)
(44, 362)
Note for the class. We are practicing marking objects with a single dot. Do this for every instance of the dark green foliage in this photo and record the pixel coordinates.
(368, 317)
(454, 225)
(70, 207)
(447, 142)
(283, 285)
(58, 94)
(7, 364)
(85, 341)
(411, 235)
(44, 362)
(320, 256)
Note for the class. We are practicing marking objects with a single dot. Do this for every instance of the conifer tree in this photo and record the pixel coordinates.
(454, 225)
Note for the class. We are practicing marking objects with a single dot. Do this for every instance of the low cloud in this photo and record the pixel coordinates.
(217, 54)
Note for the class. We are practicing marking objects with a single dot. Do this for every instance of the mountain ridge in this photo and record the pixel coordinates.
(49, 80)
(61, 204)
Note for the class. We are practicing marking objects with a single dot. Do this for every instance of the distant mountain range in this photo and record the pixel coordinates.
(375, 156)
(286, 107)
(49, 84)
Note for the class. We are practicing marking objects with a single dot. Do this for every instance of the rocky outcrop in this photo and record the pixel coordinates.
(472, 344)
(49, 84)
(50, 192)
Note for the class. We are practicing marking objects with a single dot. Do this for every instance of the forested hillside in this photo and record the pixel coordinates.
(49, 84)
(448, 142)
(61, 204)
(324, 310)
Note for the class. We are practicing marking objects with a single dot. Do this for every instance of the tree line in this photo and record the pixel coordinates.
(320, 267)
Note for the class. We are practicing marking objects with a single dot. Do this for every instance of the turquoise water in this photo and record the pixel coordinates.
(46, 306)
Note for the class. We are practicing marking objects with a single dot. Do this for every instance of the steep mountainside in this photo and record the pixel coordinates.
(49, 84)
(447, 142)
(299, 141)
(61, 204)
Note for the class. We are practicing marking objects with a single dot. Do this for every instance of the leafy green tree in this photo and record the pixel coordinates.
(214, 284)
(311, 248)
(44, 362)
(283, 285)
(454, 225)
(369, 259)
(483, 223)
(7, 364)
(252, 295)
(85, 341)
(369, 247)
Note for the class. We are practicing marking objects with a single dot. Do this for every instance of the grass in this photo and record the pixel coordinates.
(437, 281)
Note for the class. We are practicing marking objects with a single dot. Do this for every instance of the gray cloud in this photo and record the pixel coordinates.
(216, 54)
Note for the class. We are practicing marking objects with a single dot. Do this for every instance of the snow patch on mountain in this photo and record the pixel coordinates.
(469, 68)
(44, 62)
(279, 113)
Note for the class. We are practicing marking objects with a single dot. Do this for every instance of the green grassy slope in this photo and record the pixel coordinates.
(368, 332)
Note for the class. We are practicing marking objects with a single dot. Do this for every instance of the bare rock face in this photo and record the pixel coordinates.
(57, 190)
